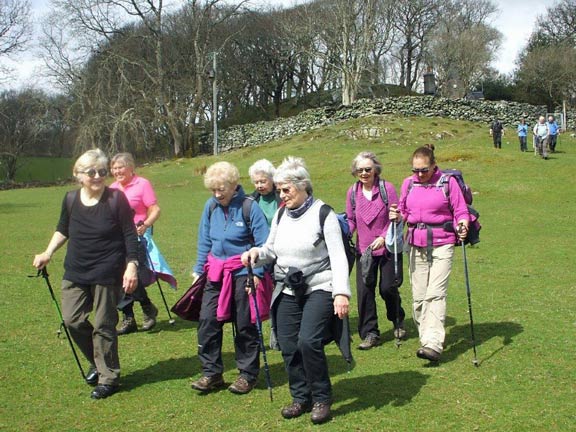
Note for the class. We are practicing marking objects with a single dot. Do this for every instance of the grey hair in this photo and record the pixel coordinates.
(293, 170)
(126, 158)
(221, 172)
(91, 158)
(262, 166)
(366, 155)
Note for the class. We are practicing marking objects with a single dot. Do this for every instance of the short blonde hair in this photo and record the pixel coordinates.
(91, 158)
(221, 172)
(126, 158)
(293, 170)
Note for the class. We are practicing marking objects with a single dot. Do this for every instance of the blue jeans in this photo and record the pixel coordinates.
(301, 329)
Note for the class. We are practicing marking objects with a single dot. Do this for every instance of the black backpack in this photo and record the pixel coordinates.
(347, 242)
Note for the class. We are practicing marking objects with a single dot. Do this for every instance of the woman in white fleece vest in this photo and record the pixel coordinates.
(311, 273)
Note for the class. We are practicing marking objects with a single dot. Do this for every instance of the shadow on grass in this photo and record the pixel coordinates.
(7, 208)
(190, 367)
(459, 339)
(376, 391)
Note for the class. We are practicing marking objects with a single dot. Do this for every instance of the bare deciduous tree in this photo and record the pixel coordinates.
(463, 45)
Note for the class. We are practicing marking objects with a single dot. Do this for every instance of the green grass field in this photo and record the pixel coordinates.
(523, 295)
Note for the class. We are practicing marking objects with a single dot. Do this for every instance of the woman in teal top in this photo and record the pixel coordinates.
(262, 174)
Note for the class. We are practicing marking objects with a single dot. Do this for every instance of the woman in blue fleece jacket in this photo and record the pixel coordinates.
(223, 235)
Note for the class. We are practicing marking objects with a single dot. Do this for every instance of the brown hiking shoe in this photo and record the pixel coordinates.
(428, 354)
(242, 386)
(296, 409)
(370, 341)
(128, 326)
(208, 383)
(149, 319)
(320, 412)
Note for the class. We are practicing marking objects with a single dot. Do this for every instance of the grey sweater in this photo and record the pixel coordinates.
(291, 243)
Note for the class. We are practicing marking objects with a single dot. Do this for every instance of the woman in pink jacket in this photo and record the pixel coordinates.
(437, 218)
(367, 204)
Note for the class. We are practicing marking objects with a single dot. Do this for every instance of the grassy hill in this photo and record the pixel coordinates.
(523, 295)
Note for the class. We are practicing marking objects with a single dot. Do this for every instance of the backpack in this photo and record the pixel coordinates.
(349, 247)
(474, 226)
(383, 194)
(112, 200)
(246, 207)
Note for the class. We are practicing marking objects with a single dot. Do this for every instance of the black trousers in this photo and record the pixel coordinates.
(388, 288)
(301, 328)
(497, 138)
(210, 332)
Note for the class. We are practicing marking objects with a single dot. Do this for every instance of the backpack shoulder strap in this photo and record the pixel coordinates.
(246, 207)
(113, 200)
(383, 191)
(324, 212)
(70, 198)
(281, 211)
(444, 183)
(353, 196)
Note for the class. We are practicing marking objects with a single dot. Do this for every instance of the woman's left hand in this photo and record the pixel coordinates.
(141, 229)
(130, 278)
(377, 243)
(341, 304)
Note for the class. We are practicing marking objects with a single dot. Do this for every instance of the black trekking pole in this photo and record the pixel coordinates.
(171, 320)
(396, 280)
(252, 287)
(475, 361)
(44, 273)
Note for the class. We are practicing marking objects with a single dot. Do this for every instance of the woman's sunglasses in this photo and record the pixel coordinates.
(420, 170)
(366, 170)
(102, 172)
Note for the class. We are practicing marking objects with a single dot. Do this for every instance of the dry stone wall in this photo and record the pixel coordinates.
(254, 134)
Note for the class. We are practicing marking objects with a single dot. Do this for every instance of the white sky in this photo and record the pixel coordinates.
(515, 20)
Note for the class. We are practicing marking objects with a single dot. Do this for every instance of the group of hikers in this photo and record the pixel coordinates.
(544, 133)
(280, 241)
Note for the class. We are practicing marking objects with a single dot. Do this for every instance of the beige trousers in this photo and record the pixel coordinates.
(98, 341)
(429, 290)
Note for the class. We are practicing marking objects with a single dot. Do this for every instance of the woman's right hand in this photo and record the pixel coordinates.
(41, 260)
(250, 256)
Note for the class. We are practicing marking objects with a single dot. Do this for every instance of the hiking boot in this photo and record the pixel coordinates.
(296, 409)
(149, 319)
(128, 326)
(428, 354)
(320, 412)
(208, 383)
(102, 391)
(370, 341)
(242, 386)
(400, 331)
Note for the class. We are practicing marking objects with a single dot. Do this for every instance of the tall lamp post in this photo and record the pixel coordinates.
(212, 77)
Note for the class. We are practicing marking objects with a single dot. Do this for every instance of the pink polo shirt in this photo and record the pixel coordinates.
(140, 195)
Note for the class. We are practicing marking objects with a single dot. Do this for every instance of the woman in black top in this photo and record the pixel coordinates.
(101, 260)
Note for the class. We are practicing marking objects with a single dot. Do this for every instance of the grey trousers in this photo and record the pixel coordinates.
(98, 339)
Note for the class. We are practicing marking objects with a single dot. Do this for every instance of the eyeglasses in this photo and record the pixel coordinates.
(102, 172)
(420, 170)
(285, 190)
(366, 170)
